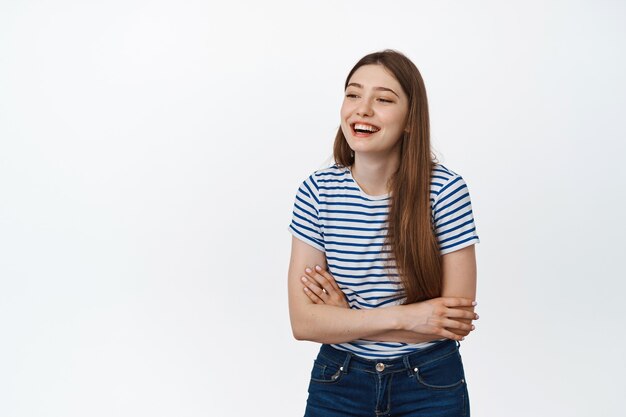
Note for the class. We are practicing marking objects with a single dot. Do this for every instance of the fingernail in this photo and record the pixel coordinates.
(462, 338)
(474, 303)
(308, 269)
(318, 267)
(477, 316)
(303, 278)
(473, 327)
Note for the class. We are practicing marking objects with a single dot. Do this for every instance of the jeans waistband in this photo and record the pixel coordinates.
(349, 361)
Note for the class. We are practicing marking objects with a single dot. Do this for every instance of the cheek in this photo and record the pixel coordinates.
(346, 130)
(344, 112)
(397, 120)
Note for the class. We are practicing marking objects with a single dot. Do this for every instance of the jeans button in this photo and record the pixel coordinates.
(380, 367)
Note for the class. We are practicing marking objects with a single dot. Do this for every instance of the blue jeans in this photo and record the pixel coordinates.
(429, 382)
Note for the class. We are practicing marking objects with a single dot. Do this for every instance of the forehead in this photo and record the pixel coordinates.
(375, 76)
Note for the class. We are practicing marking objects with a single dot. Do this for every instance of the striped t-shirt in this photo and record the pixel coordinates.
(333, 214)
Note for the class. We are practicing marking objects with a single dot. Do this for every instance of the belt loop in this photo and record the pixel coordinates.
(458, 344)
(346, 362)
(407, 363)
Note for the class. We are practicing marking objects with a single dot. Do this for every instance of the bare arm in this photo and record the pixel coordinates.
(459, 277)
(327, 323)
(405, 336)
(459, 280)
(324, 323)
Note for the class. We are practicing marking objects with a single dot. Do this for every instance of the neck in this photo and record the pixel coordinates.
(373, 173)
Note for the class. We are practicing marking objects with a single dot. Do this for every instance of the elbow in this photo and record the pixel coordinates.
(303, 330)
(300, 327)
(309, 336)
(296, 331)
(299, 332)
(305, 326)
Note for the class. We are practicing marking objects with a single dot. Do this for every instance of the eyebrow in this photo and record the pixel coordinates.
(375, 88)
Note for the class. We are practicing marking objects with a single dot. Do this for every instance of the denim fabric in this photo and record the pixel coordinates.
(429, 382)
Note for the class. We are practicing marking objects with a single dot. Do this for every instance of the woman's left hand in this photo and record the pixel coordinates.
(321, 288)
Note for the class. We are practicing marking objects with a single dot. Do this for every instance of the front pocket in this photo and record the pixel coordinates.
(326, 372)
(442, 373)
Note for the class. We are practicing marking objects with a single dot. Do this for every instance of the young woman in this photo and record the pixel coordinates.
(383, 270)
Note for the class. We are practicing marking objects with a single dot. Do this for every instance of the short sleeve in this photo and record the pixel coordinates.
(453, 217)
(305, 223)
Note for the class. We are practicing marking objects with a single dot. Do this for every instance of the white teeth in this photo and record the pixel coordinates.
(365, 127)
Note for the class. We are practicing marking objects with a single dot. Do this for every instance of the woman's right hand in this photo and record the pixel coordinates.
(438, 316)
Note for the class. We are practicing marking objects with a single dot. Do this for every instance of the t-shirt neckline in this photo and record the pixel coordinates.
(363, 193)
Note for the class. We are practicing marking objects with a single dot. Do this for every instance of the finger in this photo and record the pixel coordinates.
(328, 277)
(312, 285)
(449, 335)
(454, 324)
(312, 296)
(461, 314)
(321, 280)
(314, 288)
(458, 302)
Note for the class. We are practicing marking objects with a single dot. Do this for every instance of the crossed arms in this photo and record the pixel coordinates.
(323, 317)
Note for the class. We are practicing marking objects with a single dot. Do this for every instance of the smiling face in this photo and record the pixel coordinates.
(374, 111)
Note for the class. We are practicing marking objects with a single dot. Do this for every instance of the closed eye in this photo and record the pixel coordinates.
(383, 100)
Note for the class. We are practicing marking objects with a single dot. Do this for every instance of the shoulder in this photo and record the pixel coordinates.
(443, 178)
(330, 173)
(334, 173)
(320, 179)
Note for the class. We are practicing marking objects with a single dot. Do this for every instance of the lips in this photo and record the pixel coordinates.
(363, 129)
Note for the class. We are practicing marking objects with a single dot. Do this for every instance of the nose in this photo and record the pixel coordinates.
(364, 108)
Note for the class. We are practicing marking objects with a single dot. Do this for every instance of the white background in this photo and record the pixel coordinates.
(150, 152)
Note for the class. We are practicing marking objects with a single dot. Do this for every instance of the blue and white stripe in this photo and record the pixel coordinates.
(334, 215)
